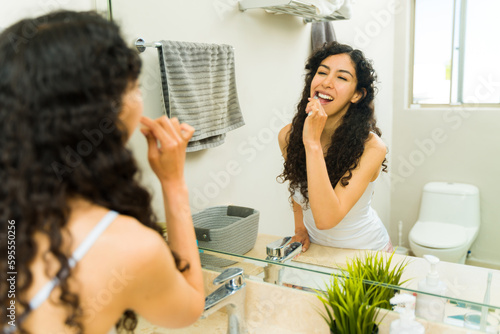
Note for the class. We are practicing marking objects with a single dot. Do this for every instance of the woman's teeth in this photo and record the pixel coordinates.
(325, 97)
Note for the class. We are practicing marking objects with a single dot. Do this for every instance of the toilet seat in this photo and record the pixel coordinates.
(438, 235)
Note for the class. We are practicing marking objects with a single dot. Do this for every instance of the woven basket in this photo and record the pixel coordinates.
(231, 229)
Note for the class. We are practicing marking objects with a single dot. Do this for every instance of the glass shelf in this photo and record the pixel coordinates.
(311, 277)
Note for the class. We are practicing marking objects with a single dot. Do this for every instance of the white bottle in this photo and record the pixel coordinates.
(431, 307)
(406, 324)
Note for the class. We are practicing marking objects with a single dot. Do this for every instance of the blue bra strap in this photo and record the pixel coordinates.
(78, 254)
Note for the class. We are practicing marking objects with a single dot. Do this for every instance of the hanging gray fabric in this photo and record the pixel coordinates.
(321, 33)
(199, 88)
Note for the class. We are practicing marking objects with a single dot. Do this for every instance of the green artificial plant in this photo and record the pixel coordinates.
(375, 267)
(349, 306)
(354, 299)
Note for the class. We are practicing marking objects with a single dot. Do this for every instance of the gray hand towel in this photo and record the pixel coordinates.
(322, 33)
(199, 88)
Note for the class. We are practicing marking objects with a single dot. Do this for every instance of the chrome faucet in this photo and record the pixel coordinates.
(231, 296)
(281, 251)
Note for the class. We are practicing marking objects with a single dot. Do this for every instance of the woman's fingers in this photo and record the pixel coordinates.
(305, 244)
(170, 128)
(155, 129)
(148, 132)
(303, 238)
(175, 122)
(187, 131)
(153, 152)
(167, 141)
(169, 132)
(313, 107)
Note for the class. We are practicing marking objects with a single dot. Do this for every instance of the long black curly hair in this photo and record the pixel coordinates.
(62, 79)
(348, 140)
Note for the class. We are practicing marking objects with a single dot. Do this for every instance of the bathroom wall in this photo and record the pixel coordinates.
(451, 145)
(13, 11)
(270, 52)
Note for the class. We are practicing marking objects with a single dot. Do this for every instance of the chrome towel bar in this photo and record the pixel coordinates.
(141, 44)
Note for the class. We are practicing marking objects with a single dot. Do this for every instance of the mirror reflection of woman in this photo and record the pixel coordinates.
(333, 153)
(69, 101)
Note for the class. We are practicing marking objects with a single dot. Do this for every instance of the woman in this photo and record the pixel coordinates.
(333, 153)
(69, 100)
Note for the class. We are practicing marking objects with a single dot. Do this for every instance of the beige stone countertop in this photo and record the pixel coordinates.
(273, 309)
(276, 309)
(464, 282)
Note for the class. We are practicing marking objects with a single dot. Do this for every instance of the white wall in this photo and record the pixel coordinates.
(270, 53)
(13, 11)
(442, 145)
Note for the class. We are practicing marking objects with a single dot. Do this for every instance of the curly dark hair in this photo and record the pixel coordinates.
(62, 79)
(348, 140)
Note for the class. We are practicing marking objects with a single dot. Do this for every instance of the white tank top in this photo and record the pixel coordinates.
(361, 228)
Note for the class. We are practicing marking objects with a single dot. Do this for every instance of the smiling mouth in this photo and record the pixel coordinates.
(323, 98)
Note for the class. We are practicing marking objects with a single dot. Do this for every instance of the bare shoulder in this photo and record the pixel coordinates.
(283, 136)
(136, 238)
(376, 145)
(131, 244)
(123, 237)
(141, 249)
(374, 155)
(157, 289)
(130, 226)
(141, 255)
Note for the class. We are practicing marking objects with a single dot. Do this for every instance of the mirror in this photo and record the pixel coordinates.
(465, 284)
(270, 52)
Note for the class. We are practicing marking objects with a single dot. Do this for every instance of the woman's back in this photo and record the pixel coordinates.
(105, 278)
(69, 101)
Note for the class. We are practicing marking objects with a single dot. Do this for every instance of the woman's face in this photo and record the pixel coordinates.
(131, 107)
(335, 84)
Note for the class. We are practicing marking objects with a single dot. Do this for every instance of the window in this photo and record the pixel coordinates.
(456, 58)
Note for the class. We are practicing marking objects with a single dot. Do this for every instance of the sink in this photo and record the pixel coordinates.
(269, 309)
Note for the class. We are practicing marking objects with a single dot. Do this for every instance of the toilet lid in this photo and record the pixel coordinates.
(438, 235)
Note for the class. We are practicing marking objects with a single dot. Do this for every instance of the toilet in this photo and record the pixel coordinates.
(448, 221)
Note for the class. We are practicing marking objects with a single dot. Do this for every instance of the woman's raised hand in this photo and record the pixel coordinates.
(167, 142)
(314, 123)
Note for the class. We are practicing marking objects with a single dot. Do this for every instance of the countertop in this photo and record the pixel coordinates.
(277, 309)
(463, 281)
